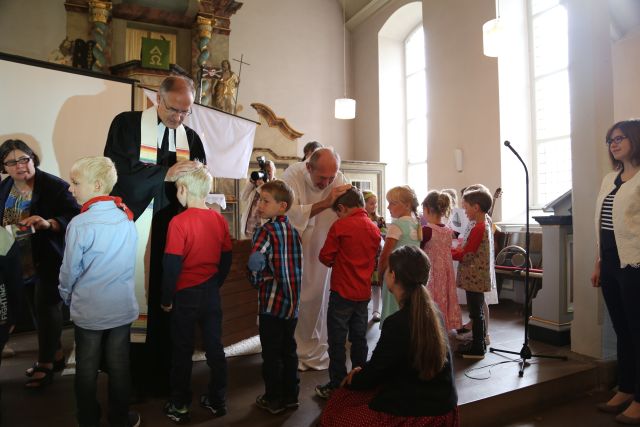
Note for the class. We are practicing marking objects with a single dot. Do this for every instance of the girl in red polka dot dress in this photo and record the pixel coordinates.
(409, 380)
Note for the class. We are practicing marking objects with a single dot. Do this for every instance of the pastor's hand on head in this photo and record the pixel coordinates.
(179, 168)
(337, 192)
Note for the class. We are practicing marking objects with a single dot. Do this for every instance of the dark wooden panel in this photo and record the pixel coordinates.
(239, 298)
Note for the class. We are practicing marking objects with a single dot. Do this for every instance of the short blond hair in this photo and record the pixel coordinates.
(97, 168)
(197, 182)
(405, 195)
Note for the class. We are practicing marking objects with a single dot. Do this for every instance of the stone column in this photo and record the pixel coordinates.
(590, 74)
(99, 14)
(204, 27)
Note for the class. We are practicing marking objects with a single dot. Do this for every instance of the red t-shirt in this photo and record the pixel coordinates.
(199, 236)
(350, 248)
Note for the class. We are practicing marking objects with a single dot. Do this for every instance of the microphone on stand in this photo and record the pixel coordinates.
(525, 353)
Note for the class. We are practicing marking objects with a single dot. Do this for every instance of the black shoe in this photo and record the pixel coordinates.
(324, 391)
(216, 410)
(291, 402)
(134, 419)
(470, 351)
(274, 407)
(177, 415)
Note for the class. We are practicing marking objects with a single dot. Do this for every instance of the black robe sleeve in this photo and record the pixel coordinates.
(138, 182)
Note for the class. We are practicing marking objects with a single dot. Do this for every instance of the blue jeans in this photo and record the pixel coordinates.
(91, 347)
(197, 305)
(279, 358)
(346, 317)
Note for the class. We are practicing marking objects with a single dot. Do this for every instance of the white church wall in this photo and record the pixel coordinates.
(32, 28)
(626, 69)
(462, 91)
(462, 94)
(366, 68)
(295, 48)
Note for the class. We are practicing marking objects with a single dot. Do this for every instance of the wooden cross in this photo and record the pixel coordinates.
(235, 101)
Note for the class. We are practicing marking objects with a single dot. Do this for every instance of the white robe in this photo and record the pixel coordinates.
(311, 331)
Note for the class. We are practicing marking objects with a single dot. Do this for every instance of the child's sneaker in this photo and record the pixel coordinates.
(291, 402)
(324, 391)
(178, 415)
(216, 410)
(269, 405)
(469, 351)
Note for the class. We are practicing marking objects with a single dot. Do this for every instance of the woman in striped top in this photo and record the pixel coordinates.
(617, 269)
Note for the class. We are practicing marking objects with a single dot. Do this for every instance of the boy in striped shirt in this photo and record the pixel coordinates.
(275, 268)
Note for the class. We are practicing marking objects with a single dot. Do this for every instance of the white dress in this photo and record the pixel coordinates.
(311, 331)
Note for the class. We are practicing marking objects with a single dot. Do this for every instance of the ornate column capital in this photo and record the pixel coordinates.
(100, 11)
(204, 25)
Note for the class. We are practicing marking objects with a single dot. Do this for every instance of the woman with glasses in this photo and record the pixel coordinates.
(37, 206)
(617, 268)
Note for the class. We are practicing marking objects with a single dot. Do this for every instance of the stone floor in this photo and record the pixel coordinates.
(551, 392)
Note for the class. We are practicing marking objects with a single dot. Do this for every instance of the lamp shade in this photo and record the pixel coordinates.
(345, 108)
(492, 37)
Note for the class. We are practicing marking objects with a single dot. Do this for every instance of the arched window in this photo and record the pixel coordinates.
(403, 99)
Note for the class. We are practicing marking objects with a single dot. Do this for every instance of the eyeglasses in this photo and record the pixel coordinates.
(175, 111)
(617, 139)
(20, 161)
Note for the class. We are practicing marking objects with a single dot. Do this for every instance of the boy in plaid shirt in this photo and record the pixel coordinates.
(275, 267)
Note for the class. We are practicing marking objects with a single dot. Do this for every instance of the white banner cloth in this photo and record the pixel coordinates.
(227, 139)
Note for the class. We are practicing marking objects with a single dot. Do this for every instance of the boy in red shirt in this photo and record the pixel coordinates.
(350, 248)
(197, 259)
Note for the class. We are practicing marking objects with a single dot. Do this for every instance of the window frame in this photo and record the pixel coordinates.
(407, 120)
(536, 142)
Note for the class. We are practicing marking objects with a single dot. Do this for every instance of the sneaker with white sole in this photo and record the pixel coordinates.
(177, 415)
(216, 410)
(269, 405)
(291, 402)
(469, 351)
(324, 391)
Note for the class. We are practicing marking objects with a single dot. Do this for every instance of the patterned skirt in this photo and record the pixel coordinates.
(351, 408)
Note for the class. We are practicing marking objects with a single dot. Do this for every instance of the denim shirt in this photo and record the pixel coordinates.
(97, 276)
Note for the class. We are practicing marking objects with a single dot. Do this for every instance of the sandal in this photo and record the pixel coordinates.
(58, 366)
(38, 383)
(29, 372)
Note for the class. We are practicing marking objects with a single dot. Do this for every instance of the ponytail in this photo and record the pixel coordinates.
(428, 341)
(428, 345)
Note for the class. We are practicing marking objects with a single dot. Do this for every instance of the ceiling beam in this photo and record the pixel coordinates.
(364, 13)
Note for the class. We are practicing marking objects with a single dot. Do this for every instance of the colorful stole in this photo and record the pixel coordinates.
(116, 200)
(149, 138)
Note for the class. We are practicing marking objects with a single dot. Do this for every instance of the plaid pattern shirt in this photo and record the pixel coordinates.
(279, 282)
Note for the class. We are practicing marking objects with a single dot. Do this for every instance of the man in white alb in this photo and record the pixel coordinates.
(316, 184)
